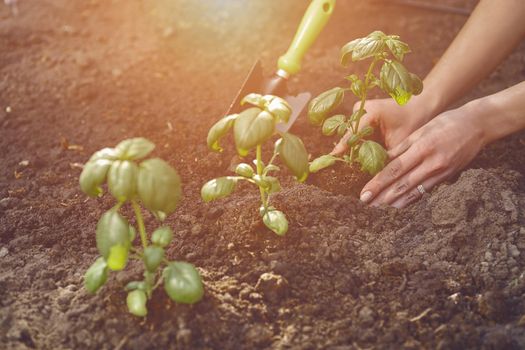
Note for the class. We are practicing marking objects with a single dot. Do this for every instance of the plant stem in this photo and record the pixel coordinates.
(363, 98)
(140, 223)
(259, 172)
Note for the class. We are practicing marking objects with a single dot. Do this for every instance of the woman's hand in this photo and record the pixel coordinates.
(427, 157)
(392, 123)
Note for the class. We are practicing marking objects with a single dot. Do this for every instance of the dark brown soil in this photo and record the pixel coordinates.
(446, 273)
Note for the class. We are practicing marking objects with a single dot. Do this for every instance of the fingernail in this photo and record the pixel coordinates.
(366, 197)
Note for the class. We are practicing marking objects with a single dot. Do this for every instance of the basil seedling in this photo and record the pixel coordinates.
(394, 79)
(251, 129)
(154, 184)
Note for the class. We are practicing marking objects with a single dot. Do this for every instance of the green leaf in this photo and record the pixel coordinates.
(280, 109)
(218, 188)
(261, 182)
(358, 88)
(397, 82)
(397, 47)
(254, 99)
(134, 149)
(93, 176)
(331, 124)
(372, 157)
(122, 179)
(153, 256)
(112, 230)
(252, 127)
(270, 167)
(417, 84)
(274, 185)
(105, 153)
(162, 236)
(341, 130)
(294, 155)
(136, 302)
(118, 257)
(219, 130)
(96, 276)
(136, 285)
(183, 283)
(244, 169)
(158, 186)
(276, 221)
(322, 162)
(352, 140)
(360, 49)
(320, 106)
(366, 131)
(357, 114)
(132, 233)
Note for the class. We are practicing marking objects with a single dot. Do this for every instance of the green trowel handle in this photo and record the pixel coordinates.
(311, 25)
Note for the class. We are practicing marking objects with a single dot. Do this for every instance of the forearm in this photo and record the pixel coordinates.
(498, 115)
(490, 34)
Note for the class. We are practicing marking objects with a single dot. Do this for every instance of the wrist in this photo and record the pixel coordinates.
(481, 114)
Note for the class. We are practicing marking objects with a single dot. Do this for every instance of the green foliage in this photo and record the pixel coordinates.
(394, 79)
(251, 129)
(320, 106)
(372, 157)
(154, 184)
(182, 282)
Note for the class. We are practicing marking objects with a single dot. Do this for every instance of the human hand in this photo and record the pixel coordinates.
(392, 122)
(427, 157)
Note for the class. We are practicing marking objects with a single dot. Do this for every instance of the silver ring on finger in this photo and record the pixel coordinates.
(421, 189)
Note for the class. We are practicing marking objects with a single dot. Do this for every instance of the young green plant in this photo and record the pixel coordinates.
(251, 129)
(394, 79)
(152, 184)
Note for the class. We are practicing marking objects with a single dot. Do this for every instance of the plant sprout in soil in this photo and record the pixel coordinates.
(251, 129)
(394, 79)
(154, 185)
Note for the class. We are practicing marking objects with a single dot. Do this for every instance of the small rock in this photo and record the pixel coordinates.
(3, 252)
(488, 256)
(8, 202)
(513, 251)
(259, 335)
(214, 213)
(273, 287)
(184, 337)
(196, 229)
(367, 316)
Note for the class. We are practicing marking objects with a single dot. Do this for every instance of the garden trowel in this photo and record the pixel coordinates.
(311, 25)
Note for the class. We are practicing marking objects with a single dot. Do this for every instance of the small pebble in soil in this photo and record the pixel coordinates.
(196, 229)
(273, 287)
(3, 252)
(513, 250)
(184, 337)
(366, 316)
(8, 202)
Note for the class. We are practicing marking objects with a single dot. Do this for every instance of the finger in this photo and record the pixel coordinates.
(342, 146)
(414, 194)
(406, 183)
(399, 149)
(392, 172)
